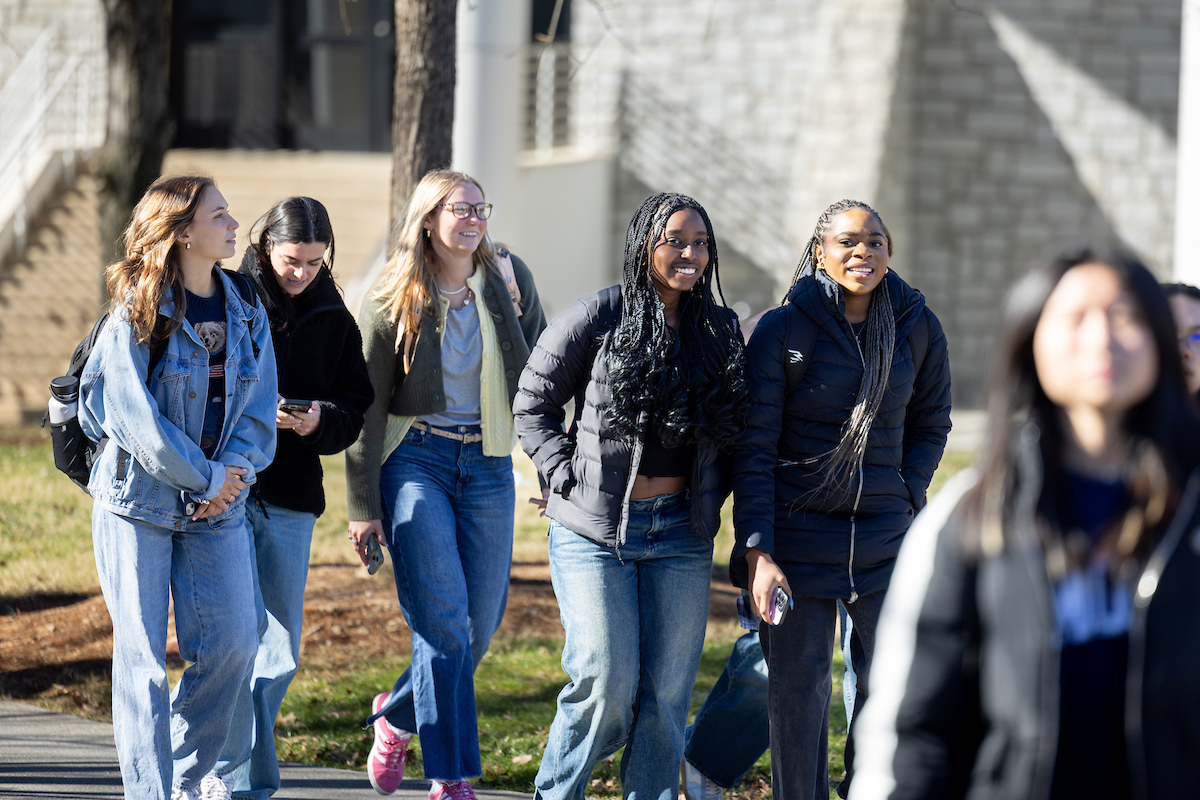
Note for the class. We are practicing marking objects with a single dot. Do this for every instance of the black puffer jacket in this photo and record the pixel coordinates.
(965, 690)
(319, 358)
(590, 474)
(834, 544)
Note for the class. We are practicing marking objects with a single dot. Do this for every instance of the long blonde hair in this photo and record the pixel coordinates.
(140, 279)
(406, 287)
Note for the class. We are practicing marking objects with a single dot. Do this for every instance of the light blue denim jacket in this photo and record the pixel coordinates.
(159, 427)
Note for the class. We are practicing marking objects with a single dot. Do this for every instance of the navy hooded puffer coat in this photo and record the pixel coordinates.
(836, 544)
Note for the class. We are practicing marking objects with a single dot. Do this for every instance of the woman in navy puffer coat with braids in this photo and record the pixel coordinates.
(655, 366)
(830, 471)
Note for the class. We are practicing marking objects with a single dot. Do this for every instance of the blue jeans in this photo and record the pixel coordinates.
(635, 619)
(799, 655)
(173, 740)
(280, 542)
(448, 515)
(732, 729)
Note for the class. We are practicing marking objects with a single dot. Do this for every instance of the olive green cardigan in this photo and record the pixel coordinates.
(421, 390)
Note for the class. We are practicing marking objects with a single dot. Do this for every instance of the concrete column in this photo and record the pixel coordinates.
(489, 100)
(1187, 193)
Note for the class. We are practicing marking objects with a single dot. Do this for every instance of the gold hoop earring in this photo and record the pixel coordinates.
(428, 233)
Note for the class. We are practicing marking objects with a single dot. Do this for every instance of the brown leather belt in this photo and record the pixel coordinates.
(465, 438)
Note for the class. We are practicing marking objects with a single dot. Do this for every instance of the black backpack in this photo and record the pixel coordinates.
(74, 452)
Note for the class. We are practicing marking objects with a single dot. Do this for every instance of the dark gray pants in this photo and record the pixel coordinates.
(800, 684)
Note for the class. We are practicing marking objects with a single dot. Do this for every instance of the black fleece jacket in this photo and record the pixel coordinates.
(833, 544)
(319, 357)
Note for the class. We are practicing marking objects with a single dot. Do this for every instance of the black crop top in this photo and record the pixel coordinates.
(659, 461)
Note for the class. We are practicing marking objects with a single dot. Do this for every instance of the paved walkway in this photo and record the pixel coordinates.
(48, 756)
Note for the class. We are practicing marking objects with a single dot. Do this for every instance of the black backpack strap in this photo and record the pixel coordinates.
(798, 343)
(245, 288)
(918, 340)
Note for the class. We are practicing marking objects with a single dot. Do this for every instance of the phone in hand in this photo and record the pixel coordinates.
(780, 603)
(294, 406)
(374, 554)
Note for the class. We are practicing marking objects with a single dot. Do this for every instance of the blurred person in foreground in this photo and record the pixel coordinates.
(1040, 638)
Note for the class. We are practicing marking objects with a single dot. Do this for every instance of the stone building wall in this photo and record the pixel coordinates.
(1030, 122)
(983, 132)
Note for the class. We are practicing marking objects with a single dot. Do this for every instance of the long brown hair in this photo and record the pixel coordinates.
(1021, 465)
(140, 279)
(406, 287)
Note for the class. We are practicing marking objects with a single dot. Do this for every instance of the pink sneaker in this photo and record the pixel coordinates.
(385, 765)
(454, 790)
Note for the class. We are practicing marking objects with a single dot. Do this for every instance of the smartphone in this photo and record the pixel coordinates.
(374, 555)
(780, 603)
(294, 406)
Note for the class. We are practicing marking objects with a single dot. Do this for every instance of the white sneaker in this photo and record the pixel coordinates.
(696, 785)
(215, 787)
(178, 793)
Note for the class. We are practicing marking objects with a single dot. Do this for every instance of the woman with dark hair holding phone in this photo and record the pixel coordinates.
(1185, 308)
(447, 328)
(655, 367)
(318, 354)
(168, 521)
(1040, 638)
(850, 379)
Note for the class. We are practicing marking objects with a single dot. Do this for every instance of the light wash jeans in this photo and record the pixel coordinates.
(799, 655)
(162, 740)
(635, 621)
(448, 515)
(732, 729)
(280, 542)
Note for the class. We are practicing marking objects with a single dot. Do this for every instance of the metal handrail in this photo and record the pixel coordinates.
(24, 85)
(30, 133)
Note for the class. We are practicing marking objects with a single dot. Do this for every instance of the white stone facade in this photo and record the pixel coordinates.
(983, 132)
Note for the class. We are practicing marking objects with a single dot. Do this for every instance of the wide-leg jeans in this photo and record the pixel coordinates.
(635, 619)
(731, 730)
(799, 655)
(448, 516)
(163, 739)
(281, 540)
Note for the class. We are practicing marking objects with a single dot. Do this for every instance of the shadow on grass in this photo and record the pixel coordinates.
(26, 684)
(10, 605)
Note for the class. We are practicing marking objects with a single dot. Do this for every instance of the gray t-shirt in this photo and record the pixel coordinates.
(462, 361)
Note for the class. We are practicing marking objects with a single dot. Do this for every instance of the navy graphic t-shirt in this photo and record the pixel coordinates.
(207, 316)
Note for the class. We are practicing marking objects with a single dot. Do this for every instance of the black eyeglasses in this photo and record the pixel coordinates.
(463, 210)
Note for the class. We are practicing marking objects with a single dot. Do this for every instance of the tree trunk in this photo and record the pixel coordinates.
(423, 104)
(139, 125)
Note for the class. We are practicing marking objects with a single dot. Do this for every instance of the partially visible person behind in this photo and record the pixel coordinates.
(1040, 638)
(655, 368)
(318, 355)
(1185, 308)
(170, 489)
(446, 328)
(850, 383)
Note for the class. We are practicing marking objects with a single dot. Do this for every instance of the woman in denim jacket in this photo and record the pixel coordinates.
(169, 490)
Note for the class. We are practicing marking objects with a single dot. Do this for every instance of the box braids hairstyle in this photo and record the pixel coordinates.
(843, 463)
(691, 384)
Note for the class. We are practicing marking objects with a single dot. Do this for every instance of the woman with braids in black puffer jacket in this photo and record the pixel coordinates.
(655, 366)
(850, 380)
